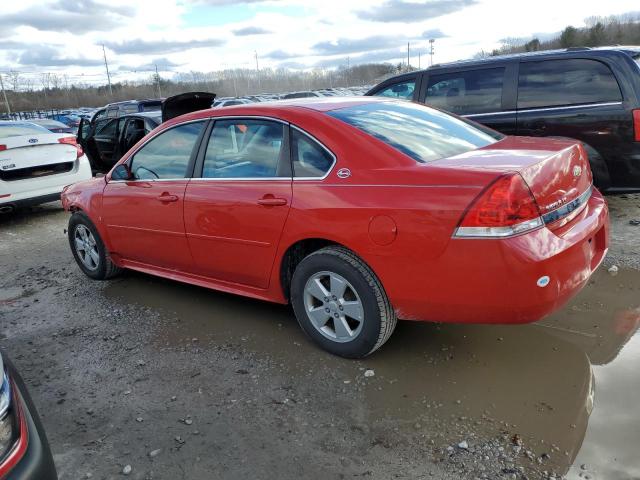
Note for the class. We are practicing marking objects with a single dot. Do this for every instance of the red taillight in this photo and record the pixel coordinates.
(505, 208)
(72, 141)
(3, 148)
(636, 125)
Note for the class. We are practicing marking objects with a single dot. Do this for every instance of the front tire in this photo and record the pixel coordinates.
(88, 248)
(340, 303)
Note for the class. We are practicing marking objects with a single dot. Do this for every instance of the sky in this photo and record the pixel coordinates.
(66, 36)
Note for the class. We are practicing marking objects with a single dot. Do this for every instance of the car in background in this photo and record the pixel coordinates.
(36, 164)
(108, 139)
(69, 120)
(53, 125)
(231, 102)
(358, 211)
(118, 109)
(588, 94)
(24, 450)
(288, 96)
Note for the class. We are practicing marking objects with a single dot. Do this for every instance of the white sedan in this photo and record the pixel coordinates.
(35, 164)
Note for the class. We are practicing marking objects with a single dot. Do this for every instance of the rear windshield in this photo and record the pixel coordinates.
(423, 133)
(18, 129)
(150, 107)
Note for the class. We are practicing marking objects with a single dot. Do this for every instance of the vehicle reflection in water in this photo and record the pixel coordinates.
(474, 381)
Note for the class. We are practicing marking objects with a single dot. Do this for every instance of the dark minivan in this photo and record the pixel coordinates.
(590, 94)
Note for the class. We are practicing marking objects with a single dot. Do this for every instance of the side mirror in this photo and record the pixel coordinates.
(121, 172)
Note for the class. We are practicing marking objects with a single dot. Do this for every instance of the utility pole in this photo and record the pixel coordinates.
(431, 42)
(4, 93)
(419, 66)
(258, 71)
(158, 81)
(408, 64)
(106, 65)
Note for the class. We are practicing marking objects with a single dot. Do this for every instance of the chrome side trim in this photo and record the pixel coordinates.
(239, 179)
(568, 208)
(543, 109)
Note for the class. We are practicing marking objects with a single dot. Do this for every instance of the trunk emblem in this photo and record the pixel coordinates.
(33, 140)
(577, 171)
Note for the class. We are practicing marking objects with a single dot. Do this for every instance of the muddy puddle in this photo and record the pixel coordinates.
(568, 386)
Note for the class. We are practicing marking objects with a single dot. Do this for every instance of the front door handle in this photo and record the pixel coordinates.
(166, 198)
(271, 201)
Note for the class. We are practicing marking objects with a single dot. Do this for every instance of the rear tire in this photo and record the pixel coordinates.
(88, 248)
(340, 303)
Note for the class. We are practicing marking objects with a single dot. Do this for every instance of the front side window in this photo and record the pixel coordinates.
(244, 148)
(309, 158)
(566, 82)
(167, 155)
(402, 90)
(106, 128)
(473, 91)
(422, 133)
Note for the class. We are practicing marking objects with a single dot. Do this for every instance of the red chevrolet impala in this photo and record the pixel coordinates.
(358, 211)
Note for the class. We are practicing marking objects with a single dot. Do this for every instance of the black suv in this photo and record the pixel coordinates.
(118, 109)
(592, 95)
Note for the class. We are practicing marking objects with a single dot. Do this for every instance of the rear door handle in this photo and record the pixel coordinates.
(166, 198)
(271, 201)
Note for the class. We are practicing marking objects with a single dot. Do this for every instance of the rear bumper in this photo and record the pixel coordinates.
(33, 191)
(497, 281)
(36, 461)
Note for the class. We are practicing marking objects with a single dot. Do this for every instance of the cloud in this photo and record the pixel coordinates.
(348, 45)
(370, 57)
(163, 64)
(224, 3)
(73, 16)
(412, 11)
(151, 47)
(433, 33)
(45, 56)
(241, 32)
(281, 55)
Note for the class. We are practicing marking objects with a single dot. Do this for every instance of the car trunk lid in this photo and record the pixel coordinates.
(556, 171)
(28, 153)
(186, 103)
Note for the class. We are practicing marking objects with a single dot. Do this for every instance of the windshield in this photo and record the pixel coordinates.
(18, 129)
(423, 133)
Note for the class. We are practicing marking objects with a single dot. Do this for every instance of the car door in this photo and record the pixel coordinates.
(144, 215)
(485, 95)
(576, 98)
(236, 210)
(105, 140)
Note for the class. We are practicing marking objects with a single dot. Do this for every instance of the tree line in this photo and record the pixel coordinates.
(54, 91)
(597, 32)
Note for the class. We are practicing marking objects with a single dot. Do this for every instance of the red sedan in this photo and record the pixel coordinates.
(358, 211)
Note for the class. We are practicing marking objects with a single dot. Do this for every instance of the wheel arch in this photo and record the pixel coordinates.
(294, 254)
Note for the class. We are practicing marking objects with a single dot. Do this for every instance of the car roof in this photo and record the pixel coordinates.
(569, 52)
(152, 114)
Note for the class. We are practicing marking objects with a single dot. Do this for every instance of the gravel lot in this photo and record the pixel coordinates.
(170, 381)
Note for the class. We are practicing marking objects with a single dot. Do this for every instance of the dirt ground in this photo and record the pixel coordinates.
(178, 382)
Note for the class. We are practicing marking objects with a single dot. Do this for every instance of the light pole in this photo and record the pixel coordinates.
(431, 52)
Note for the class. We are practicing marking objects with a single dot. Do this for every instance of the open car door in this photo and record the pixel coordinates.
(186, 103)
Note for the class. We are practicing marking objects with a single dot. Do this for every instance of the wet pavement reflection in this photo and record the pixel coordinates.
(567, 385)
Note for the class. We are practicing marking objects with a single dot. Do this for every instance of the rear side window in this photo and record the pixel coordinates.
(18, 129)
(566, 82)
(309, 158)
(399, 90)
(473, 91)
(112, 112)
(167, 155)
(420, 132)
